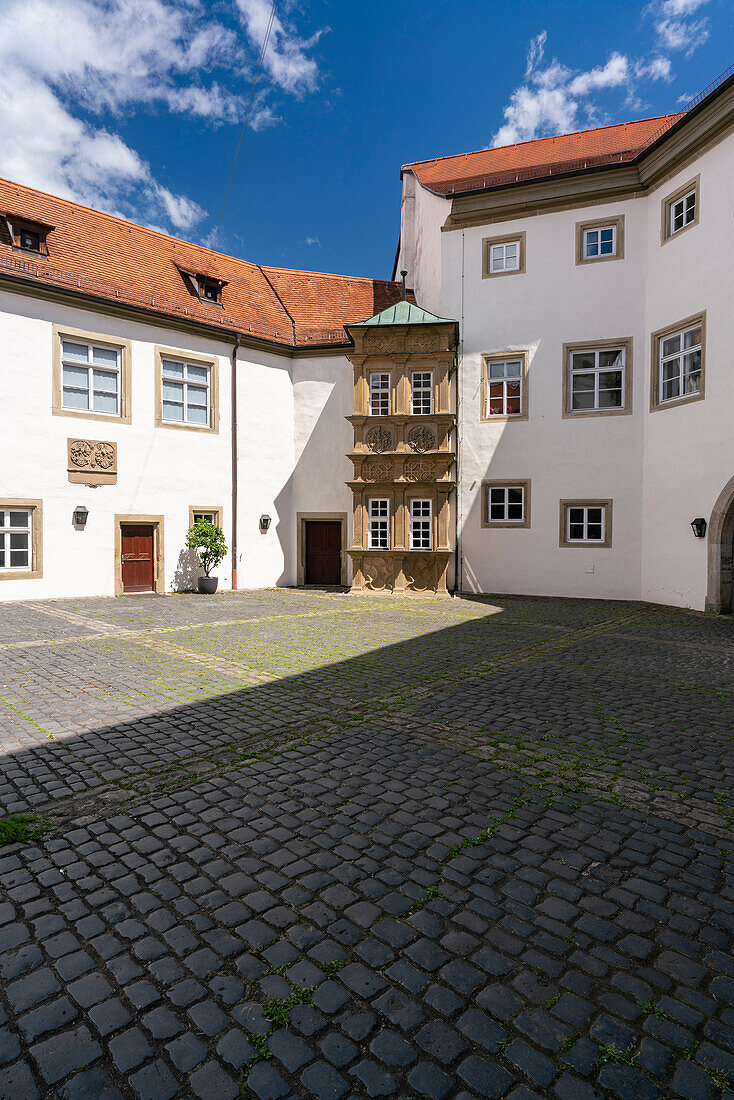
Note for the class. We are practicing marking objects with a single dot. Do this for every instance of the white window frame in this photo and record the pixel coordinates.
(596, 371)
(688, 211)
(185, 382)
(599, 229)
(585, 522)
(210, 517)
(503, 492)
(90, 366)
(380, 393)
(421, 524)
(498, 256)
(504, 380)
(6, 531)
(680, 354)
(378, 523)
(421, 392)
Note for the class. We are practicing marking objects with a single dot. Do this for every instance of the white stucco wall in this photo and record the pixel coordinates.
(292, 438)
(661, 468)
(422, 213)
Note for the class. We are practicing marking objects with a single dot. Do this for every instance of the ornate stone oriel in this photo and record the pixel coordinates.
(91, 461)
(401, 455)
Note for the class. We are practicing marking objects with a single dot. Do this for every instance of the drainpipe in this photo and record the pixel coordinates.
(233, 434)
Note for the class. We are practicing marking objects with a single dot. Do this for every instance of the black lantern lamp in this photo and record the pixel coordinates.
(264, 523)
(80, 515)
(699, 527)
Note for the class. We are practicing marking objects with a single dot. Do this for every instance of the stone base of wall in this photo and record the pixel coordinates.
(401, 572)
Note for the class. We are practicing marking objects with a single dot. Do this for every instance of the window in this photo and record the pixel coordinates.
(186, 391)
(586, 523)
(598, 378)
(680, 210)
(678, 363)
(211, 515)
(600, 240)
(210, 290)
(208, 517)
(90, 378)
(91, 375)
(422, 393)
(504, 386)
(380, 394)
(420, 525)
(503, 255)
(506, 503)
(16, 539)
(30, 240)
(20, 539)
(378, 514)
(204, 287)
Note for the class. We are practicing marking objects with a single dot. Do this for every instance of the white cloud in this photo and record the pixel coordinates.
(313, 242)
(70, 68)
(675, 28)
(285, 59)
(549, 101)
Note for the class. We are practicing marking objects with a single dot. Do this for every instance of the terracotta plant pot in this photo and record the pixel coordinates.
(208, 585)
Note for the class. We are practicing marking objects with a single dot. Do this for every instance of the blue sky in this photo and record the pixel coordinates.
(136, 106)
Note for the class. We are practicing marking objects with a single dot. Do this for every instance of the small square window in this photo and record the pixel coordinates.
(680, 210)
(600, 240)
(503, 255)
(29, 240)
(506, 503)
(586, 523)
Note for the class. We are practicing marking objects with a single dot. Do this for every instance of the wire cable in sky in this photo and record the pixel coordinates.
(255, 82)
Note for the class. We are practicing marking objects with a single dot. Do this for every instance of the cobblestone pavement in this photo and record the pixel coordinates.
(300, 844)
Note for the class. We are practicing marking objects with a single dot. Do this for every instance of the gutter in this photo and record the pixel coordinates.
(233, 435)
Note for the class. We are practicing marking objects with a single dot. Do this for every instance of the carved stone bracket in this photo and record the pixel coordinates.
(91, 461)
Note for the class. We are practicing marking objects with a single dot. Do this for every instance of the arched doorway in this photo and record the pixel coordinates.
(721, 553)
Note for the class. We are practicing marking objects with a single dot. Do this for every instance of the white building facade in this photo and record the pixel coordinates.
(144, 381)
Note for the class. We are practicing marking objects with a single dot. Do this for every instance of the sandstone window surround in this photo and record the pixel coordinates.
(504, 386)
(21, 539)
(586, 523)
(600, 240)
(212, 515)
(678, 363)
(186, 391)
(597, 378)
(506, 503)
(503, 255)
(91, 375)
(680, 210)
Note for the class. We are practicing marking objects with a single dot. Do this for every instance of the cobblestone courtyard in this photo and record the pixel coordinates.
(301, 844)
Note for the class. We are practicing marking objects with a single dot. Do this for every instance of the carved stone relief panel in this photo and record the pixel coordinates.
(420, 469)
(379, 440)
(378, 573)
(420, 573)
(91, 461)
(379, 343)
(377, 471)
(421, 439)
(421, 341)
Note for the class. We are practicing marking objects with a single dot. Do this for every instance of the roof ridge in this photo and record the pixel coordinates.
(546, 137)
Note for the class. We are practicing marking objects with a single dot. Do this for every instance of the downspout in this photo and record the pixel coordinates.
(233, 434)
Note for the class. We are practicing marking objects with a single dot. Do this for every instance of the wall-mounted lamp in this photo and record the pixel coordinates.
(264, 523)
(80, 515)
(699, 527)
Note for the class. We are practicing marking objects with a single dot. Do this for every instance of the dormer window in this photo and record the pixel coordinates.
(27, 236)
(210, 290)
(204, 287)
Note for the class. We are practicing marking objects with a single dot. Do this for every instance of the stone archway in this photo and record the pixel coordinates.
(720, 548)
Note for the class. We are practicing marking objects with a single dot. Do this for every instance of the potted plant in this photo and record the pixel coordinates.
(208, 541)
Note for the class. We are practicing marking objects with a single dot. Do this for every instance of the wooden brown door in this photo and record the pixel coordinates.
(137, 557)
(323, 552)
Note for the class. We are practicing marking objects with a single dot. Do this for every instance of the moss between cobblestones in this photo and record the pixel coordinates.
(21, 829)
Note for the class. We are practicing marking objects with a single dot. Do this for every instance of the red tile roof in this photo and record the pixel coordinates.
(542, 157)
(116, 260)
